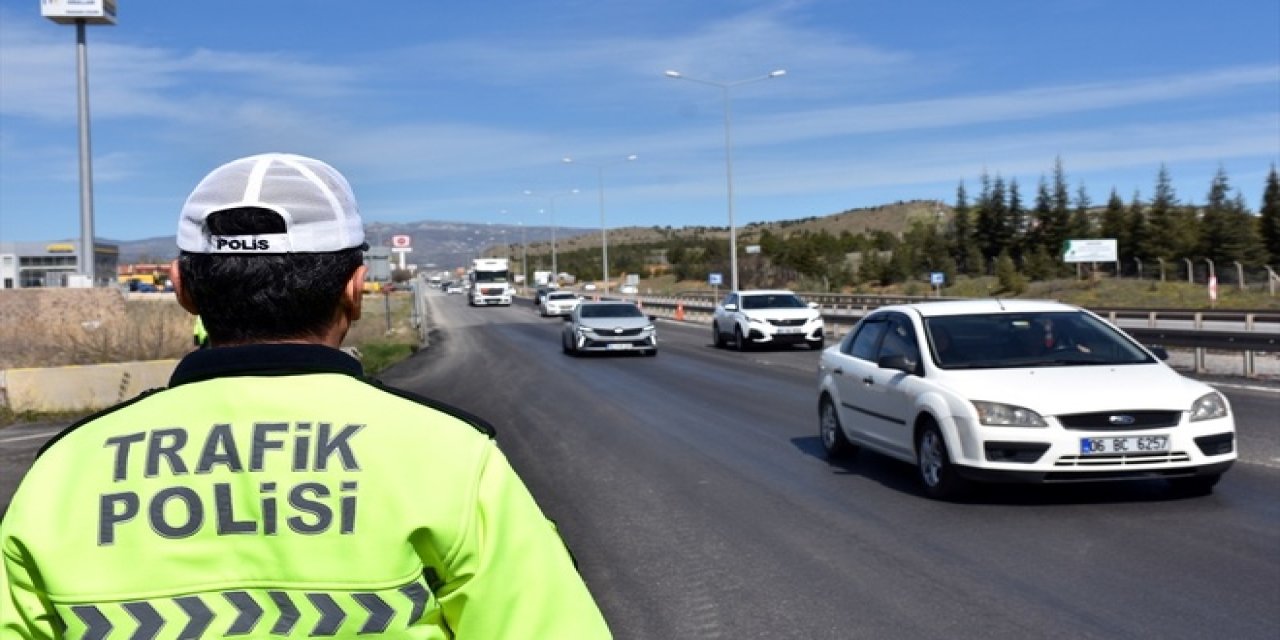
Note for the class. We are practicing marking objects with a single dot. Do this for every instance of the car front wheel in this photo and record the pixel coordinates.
(937, 474)
(739, 340)
(833, 439)
(716, 336)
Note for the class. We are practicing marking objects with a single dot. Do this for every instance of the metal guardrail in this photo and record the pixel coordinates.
(841, 313)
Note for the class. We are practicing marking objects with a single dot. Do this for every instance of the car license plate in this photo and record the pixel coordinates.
(619, 346)
(1124, 444)
(790, 330)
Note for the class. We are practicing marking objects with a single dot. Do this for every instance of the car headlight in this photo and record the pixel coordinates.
(648, 328)
(1209, 406)
(1007, 415)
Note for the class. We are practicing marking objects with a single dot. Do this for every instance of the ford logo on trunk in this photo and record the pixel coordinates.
(1121, 420)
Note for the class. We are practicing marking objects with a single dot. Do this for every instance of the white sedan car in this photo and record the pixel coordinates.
(991, 390)
(766, 317)
(558, 303)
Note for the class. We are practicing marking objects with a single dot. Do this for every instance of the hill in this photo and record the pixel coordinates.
(451, 244)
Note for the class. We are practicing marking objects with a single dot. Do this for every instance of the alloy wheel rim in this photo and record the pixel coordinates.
(930, 458)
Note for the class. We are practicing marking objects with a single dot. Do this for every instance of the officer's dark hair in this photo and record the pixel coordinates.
(245, 298)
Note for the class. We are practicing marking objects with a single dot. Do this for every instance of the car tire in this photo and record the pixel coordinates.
(834, 442)
(933, 462)
(565, 346)
(716, 336)
(739, 341)
(1194, 485)
(651, 353)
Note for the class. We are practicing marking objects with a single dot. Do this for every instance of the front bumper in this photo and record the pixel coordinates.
(643, 341)
(768, 334)
(1054, 454)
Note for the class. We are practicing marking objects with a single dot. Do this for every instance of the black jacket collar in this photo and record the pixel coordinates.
(263, 359)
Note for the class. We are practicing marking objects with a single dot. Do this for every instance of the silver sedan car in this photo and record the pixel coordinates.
(609, 326)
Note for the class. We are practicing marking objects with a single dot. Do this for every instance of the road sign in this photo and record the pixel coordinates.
(715, 279)
(937, 278)
(1096, 250)
(401, 242)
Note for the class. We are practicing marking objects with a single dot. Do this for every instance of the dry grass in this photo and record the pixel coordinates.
(57, 327)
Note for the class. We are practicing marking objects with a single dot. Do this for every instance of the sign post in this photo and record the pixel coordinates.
(937, 279)
(400, 245)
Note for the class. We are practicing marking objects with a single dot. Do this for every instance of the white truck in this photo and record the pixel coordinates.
(490, 282)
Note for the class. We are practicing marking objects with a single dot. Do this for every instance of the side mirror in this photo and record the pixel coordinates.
(1159, 351)
(731, 307)
(896, 362)
(653, 318)
(813, 305)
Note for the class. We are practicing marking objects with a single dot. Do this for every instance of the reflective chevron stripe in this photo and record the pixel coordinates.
(312, 614)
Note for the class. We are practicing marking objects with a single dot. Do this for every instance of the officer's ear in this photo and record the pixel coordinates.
(184, 298)
(353, 294)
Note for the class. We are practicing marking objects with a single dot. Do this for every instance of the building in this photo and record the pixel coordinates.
(26, 265)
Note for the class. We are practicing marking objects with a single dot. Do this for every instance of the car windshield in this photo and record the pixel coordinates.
(1004, 340)
(772, 301)
(611, 311)
(561, 296)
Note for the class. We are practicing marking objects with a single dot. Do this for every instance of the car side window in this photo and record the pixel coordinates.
(864, 343)
(730, 299)
(900, 340)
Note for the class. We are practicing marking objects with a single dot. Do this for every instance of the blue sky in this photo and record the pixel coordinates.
(450, 110)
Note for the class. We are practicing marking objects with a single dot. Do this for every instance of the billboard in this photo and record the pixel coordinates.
(69, 11)
(1095, 250)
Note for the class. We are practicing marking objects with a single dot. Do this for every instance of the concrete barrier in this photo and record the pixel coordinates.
(80, 388)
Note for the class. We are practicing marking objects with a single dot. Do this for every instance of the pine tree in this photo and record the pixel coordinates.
(1161, 219)
(1057, 232)
(1139, 230)
(1114, 226)
(1016, 222)
(962, 231)
(1042, 216)
(1081, 224)
(1269, 217)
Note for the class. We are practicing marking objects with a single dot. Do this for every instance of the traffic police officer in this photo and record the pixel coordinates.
(271, 489)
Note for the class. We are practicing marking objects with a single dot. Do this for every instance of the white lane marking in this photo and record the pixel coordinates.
(29, 436)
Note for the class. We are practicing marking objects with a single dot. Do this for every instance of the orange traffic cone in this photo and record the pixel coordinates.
(679, 311)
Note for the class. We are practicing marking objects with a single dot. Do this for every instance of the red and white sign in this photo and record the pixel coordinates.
(401, 242)
(1213, 287)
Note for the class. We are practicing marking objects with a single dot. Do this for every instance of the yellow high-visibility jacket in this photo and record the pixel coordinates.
(273, 491)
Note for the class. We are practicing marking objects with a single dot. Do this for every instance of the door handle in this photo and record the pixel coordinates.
(838, 371)
(869, 380)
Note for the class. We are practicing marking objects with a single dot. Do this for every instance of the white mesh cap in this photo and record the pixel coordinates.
(318, 207)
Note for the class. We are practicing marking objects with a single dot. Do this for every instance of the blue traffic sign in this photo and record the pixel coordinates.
(715, 279)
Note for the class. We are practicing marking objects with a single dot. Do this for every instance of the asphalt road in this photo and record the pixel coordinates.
(693, 491)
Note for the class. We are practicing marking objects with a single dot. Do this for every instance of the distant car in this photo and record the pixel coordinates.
(766, 317)
(1009, 390)
(628, 289)
(453, 287)
(558, 303)
(542, 291)
(590, 286)
(609, 326)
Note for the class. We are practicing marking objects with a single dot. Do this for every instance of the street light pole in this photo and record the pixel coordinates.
(604, 230)
(728, 154)
(104, 13)
(551, 201)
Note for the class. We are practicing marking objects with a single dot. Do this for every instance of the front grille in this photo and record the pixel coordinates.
(491, 292)
(1122, 459)
(798, 322)
(610, 333)
(1134, 420)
